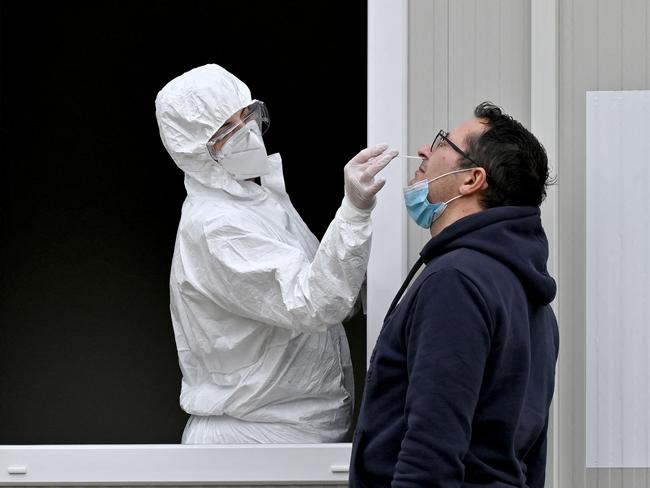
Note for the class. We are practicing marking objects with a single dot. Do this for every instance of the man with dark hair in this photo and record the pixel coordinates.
(462, 376)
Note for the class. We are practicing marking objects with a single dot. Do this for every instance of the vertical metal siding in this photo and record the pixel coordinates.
(462, 52)
(603, 45)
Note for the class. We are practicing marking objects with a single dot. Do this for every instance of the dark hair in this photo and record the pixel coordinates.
(514, 160)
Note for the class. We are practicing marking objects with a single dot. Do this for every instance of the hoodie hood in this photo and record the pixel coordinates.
(189, 110)
(512, 235)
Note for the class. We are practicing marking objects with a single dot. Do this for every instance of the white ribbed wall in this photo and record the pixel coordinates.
(603, 45)
(463, 52)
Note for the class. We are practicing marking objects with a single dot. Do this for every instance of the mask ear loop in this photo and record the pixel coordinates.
(450, 173)
(461, 195)
(452, 199)
(421, 182)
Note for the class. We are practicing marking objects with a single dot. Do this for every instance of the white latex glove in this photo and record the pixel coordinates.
(361, 186)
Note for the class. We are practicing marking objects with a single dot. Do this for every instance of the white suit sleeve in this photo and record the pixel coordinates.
(256, 275)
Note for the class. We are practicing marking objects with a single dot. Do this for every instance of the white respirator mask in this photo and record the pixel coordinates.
(243, 153)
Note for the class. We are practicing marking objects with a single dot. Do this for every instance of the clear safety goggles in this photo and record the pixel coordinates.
(255, 112)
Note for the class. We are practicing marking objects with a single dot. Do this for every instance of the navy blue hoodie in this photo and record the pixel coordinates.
(462, 375)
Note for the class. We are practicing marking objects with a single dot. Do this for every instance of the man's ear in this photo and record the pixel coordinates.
(473, 181)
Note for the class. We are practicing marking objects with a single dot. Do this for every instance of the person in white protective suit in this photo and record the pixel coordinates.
(256, 301)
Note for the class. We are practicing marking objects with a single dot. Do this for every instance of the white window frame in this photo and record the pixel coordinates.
(174, 464)
(265, 464)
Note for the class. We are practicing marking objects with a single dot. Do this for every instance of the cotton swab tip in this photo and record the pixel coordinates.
(408, 157)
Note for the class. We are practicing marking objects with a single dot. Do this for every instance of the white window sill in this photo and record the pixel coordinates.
(174, 464)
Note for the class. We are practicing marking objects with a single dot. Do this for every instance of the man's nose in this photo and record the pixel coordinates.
(424, 151)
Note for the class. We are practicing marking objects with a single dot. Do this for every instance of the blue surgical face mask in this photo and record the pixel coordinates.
(418, 206)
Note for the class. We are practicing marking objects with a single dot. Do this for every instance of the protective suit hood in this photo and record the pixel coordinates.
(189, 110)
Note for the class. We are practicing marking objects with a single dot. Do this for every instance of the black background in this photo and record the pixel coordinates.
(90, 200)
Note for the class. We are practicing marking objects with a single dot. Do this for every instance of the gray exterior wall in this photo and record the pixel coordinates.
(463, 52)
(603, 45)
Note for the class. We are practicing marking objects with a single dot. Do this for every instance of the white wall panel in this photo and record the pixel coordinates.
(618, 279)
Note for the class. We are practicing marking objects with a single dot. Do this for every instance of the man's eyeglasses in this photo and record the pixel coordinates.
(444, 136)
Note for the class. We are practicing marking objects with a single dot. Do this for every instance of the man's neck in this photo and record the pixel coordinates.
(453, 213)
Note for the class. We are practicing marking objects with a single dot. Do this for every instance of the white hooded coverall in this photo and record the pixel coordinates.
(256, 302)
